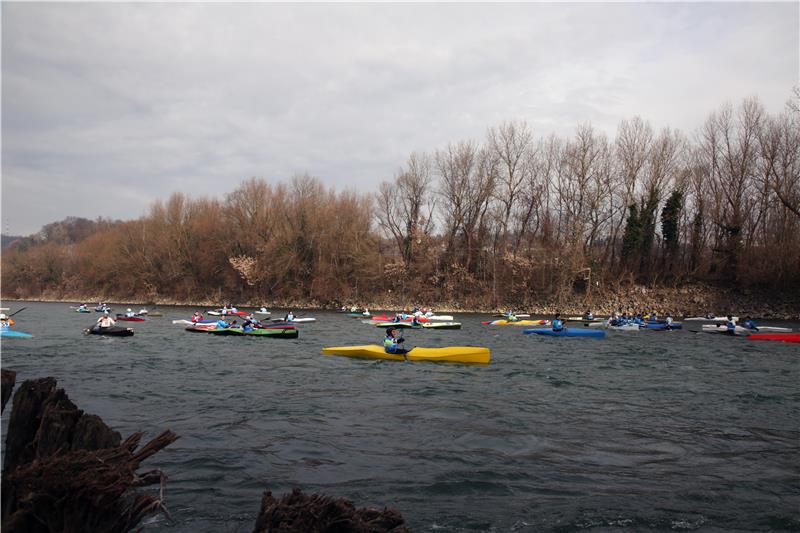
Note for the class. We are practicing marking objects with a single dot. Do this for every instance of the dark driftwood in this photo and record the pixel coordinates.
(9, 377)
(298, 512)
(67, 471)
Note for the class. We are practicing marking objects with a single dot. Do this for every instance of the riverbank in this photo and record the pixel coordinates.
(686, 300)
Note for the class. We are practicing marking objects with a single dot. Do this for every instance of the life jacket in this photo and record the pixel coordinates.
(558, 325)
(390, 344)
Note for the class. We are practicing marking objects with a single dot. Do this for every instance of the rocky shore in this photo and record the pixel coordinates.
(680, 301)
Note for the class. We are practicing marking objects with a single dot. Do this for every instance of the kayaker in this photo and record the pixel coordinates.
(749, 324)
(588, 315)
(731, 326)
(415, 321)
(105, 321)
(4, 321)
(83, 308)
(709, 316)
(511, 317)
(263, 310)
(289, 316)
(129, 313)
(558, 324)
(142, 311)
(197, 317)
(391, 344)
(668, 322)
(653, 316)
(221, 324)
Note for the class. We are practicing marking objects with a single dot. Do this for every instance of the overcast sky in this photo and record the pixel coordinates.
(107, 107)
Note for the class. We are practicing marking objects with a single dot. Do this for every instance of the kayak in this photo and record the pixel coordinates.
(520, 315)
(227, 313)
(450, 354)
(625, 327)
(771, 329)
(5, 332)
(408, 318)
(427, 325)
(130, 318)
(516, 323)
(784, 337)
(567, 332)
(263, 313)
(189, 322)
(738, 330)
(113, 331)
(83, 310)
(661, 325)
(712, 319)
(152, 313)
(281, 332)
(582, 319)
(295, 320)
(100, 310)
(356, 315)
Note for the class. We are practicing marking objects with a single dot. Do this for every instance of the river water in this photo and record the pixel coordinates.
(637, 431)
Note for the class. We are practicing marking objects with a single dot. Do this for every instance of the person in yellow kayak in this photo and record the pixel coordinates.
(391, 344)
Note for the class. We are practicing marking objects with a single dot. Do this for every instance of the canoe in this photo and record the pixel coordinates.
(113, 331)
(130, 318)
(567, 332)
(784, 337)
(517, 323)
(450, 354)
(5, 332)
(713, 319)
(427, 325)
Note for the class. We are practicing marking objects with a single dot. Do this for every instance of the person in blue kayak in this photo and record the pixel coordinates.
(391, 344)
(558, 324)
(730, 325)
(749, 323)
(588, 315)
(668, 322)
(83, 308)
(653, 316)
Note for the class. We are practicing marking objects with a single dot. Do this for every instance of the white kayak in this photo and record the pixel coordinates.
(721, 328)
(440, 318)
(263, 313)
(295, 320)
(712, 319)
(626, 327)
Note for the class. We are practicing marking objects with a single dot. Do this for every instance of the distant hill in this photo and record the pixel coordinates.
(5, 240)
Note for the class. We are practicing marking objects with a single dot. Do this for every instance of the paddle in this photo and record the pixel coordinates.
(17, 311)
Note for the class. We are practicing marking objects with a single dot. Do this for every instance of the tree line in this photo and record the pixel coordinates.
(508, 220)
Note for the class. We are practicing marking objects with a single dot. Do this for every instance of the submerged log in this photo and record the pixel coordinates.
(9, 378)
(298, 512)
(65, 470)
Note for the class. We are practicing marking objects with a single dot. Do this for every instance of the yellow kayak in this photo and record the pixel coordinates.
(516, 323)
(450, 354)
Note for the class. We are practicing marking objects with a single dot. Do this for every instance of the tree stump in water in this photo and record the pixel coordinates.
(65, 470)
(300, 513)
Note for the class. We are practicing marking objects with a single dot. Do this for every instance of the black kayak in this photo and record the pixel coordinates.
(113, 331)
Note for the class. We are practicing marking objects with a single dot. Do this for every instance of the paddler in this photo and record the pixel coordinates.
(749, 324)
(83, 308)
(5, 322)
(289, 317)
(391, 344)
(129, 313)
(511, 317)
(197, 317)
(558, 324)
(588, 315)
(730, 325)
(105, 321)
(221, 324)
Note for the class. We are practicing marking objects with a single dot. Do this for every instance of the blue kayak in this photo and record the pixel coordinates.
(11, 333)
(567, 332)
(662, 325)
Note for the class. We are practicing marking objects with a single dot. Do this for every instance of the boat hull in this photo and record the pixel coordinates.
(450, 354)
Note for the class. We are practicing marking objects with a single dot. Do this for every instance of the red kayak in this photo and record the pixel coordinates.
(409, 318)
(785, 337)
(130, 318)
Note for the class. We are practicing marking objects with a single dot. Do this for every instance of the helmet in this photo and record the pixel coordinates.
(105, 313)
(129, 310)
(3, 316)
(389, 330)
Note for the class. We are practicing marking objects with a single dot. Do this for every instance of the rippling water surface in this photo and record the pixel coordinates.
(636, 431)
